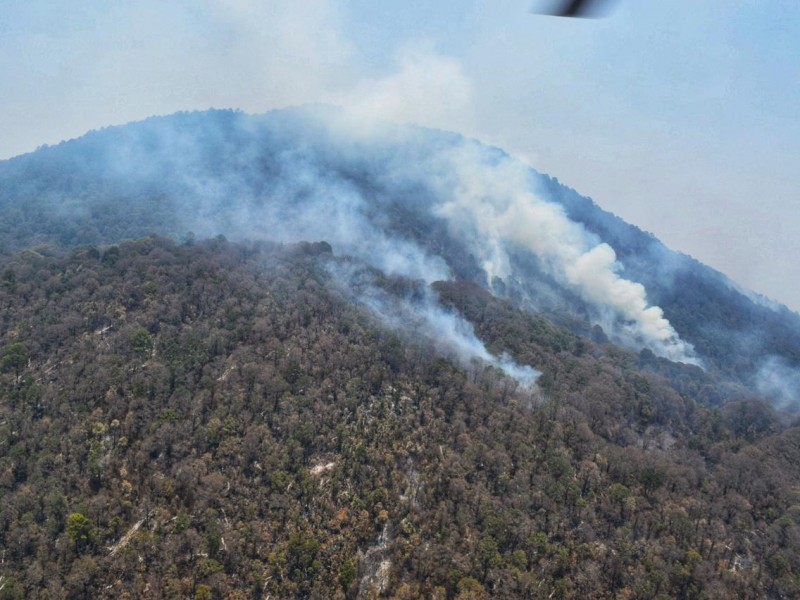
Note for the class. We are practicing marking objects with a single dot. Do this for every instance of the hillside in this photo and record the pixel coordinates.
(221, 420)
(408, 201)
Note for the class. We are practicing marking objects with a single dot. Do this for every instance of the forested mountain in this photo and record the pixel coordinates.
(409, 201)
(297, 355)
(222, 420)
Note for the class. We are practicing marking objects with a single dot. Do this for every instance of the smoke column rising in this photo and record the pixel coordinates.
(493, 197)
(450, 333)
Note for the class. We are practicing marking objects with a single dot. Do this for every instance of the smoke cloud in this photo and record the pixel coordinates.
(455, 334)
(427, 88)
(490, 198)
(780, 382)
(421, 316)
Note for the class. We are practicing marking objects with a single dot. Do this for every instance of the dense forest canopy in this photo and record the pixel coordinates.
(221, 420)
(296, 356)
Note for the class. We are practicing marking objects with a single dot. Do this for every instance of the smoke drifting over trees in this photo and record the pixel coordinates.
(410, 202)
(315, 174)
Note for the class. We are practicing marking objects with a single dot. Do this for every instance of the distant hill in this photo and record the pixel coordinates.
(424, 204)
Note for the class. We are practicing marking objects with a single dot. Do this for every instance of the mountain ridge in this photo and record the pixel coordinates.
(221, 171)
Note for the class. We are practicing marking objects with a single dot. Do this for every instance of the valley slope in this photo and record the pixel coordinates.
(215, 419)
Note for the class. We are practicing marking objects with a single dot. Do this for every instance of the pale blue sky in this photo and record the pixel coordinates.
(680, 116)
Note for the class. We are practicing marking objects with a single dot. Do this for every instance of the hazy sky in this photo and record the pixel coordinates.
(683, 117)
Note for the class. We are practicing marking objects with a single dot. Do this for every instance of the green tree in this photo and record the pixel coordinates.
(203, 592)
(470, 588)
(347, 574)
(142, 342)
(14, 358)
(79, 528)
(302, 552)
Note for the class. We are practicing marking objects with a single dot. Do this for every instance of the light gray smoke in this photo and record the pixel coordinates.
(324, 174)
(422, 317)
(779, 382)
(490, 200)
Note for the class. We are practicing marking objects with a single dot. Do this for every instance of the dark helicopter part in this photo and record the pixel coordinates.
(574, 8)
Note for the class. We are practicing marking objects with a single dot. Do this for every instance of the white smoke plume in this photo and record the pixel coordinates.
(459, 336)
(424, 317)
(491, 199)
